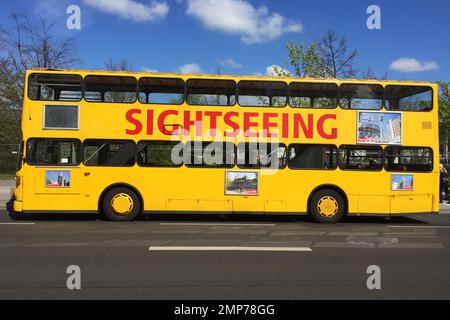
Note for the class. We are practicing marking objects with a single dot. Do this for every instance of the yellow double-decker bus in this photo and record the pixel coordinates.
(125, 144)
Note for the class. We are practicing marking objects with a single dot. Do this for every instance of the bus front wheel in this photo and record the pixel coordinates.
(121, 204)
(327, 206)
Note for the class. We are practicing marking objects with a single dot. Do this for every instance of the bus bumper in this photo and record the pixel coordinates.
(18, 206)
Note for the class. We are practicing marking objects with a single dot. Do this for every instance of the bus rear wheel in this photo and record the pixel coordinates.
(121, 204)
(327, 206)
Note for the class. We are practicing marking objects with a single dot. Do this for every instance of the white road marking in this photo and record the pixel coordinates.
(16, 223)
(424, 227)
(214, 224)
(226, 248)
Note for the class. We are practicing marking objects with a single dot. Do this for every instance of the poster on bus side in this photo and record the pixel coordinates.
(241, 183)
(379, 127)
(402, 182)
(57, 178)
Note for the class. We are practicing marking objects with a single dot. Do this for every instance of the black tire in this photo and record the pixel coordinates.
(126, 196)
(332, 204)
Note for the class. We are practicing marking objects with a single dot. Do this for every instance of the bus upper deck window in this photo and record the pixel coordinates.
(54, 87)
(111, 88)
(361, 96)
(161, 90)
(262, 93)
(409, 98)
(313, 95)
(211, 92)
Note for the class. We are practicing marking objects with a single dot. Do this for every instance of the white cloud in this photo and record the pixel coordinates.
(131, 10)
(413, 65)
(190, 68)
(229, 63)
(270, 70)
(145, 69)
(254, 25)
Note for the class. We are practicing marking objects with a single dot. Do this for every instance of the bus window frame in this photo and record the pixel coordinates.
(109, 166)
(382, 106)
(55, 74)
(202, 166)
(406, 85)
(153, 166)
(79, 156)
(267, 107)
(62, 128)
(242, 166)
(211, 105)
(363, 146)
(336, 147)
(313, 108)
(102, 93)
(408, 147)
(156, 103)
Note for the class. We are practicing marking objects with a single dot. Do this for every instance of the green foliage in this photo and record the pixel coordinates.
(444, 114)
(444, 102)
(10, 112)
(305, 59)
(24, 46)
(327, 58)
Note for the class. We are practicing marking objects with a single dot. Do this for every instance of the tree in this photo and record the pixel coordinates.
(444, 115)
(25, 46)
(305, 60)
(120, 65)
(370, 74)
(30, 46)
(10, 106)
(335, 59)
(326, 58)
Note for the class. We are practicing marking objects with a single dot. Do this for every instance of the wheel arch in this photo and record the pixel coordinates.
(331, 187)
(120, 185)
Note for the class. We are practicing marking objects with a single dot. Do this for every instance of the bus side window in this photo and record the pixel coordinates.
(312, 156)
(111, 89)
(211, 92)
(408, 98)
(161, 90)
(159, 153)
(361, 96)
(410, 159)
(313, 95)
(262, 93)
(215, 154)
(53, 152)
(261, 155)
(54, 87)
(110, 153)
(367, 158)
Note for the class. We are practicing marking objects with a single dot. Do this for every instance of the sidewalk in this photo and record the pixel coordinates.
(5, 195)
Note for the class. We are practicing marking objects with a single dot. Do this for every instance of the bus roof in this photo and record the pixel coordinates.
(227, 76)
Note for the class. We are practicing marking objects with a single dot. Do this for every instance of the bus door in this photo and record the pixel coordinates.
(55, 171)
(410, 179)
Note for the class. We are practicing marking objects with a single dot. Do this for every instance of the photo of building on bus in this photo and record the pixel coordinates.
(380, 127)
(241, 183)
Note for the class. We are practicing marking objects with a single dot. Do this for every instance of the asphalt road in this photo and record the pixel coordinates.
(297, 259)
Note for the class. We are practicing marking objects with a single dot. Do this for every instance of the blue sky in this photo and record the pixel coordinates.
(248, 36)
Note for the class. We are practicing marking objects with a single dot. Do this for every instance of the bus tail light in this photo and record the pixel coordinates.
(17, 181)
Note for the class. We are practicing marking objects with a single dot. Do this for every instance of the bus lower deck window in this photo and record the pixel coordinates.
(113, 153)
(410, 159)
(368, 158)
(53, 151)
(312, 156)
